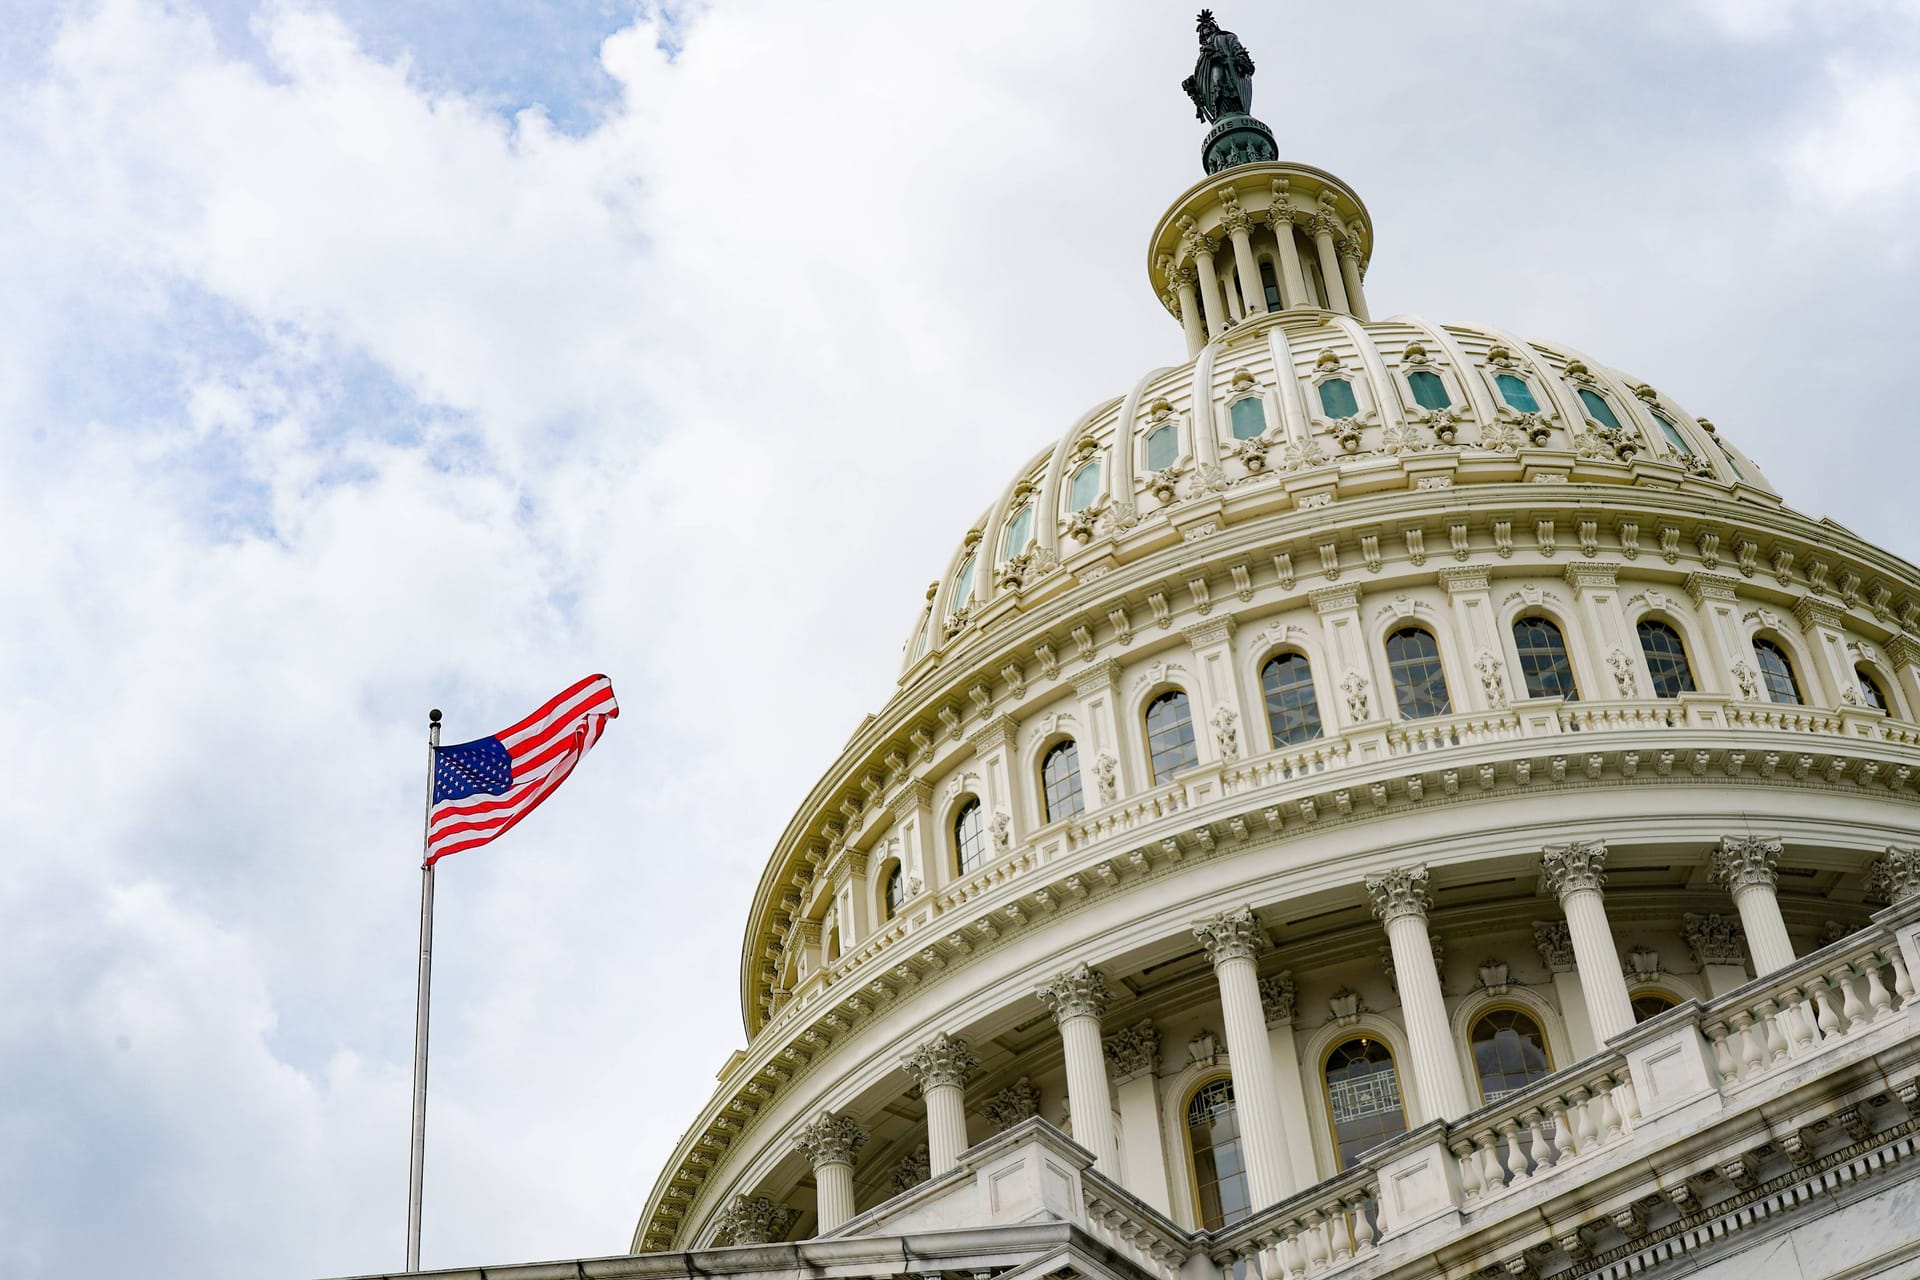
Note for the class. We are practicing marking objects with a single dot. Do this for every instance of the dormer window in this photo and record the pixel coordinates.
(1429, 391)
(1020, 531)
(1085, 487)
(1518, 395)
(1163, 446)
(1249, 419)
(1598, 409)
(1337, 400)
(962, 586)
(1672, 433)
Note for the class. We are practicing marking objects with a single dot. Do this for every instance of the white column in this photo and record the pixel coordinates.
(1350, 275)
(1184, 280)
(941, 1065)
(1232, 940)
(829, 1143)
(1325, 227)
(1203, 247)
(1554, 941)
(1825, 626)
(1745, 865)
(1715, 594)
(1078, 998)
(1133, 1057)
(1399, 899)
(1253, 297)
(1575, 873)
(1276, 1003)
(1293, 281)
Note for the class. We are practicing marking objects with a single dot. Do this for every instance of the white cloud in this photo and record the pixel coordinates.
(1866, 144)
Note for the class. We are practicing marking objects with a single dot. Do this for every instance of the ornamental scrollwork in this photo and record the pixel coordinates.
(1401, 438)
(943, 1060)
(1748, 680)
(1231, 935)
(1133, 1051)
(1358, 704)
(1297, 456)
(1080, 992)
(1165, 483)
(1277, 998)
(1553, 939)
(1018, 1101)
(754, 1220)
(1500, 437)
(1493, 679)
(830, 1139)
(1574, 867)
(1398, 893)
(1226, 732)
(1105, 770)
(915, 1169)
(1896, 874)
(1714, 939)
(1625, 678)
(1346, 433)
(1745, 861)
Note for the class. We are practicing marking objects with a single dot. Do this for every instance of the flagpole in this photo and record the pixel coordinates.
(417, 1149)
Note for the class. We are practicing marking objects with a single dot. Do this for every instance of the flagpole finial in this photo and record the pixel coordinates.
(433, 716)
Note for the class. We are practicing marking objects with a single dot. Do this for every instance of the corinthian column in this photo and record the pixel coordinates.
(1325, 228)
(1203, 248)
(1233, 221)
(1232, 940)
(829, 1143)
(1078, 998)
(1575, 872)
(1399, 899)
(1897, 874)
(941, 1066)
(1745, 865)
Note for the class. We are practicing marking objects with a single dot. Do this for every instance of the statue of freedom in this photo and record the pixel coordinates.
(1222, 79)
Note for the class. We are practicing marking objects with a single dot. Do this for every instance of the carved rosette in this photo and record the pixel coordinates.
(943, 1060)
(1133, 1051)
(1715, 939)
(1554, 941)
(1896, 874)
(1399, 892)
(1018, 1101)
(754, 1220)
(1231, 935)
(1742, 862)
(1570, 868)
(1079, 992)
(830, 1139)
(1276, 998)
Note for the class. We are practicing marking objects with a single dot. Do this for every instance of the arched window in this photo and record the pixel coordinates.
(1666, 659)
(1271, 285)
(962, 586)
(1363, 1097)
(1776, 673)
(1249, 419)
(1672, 433)
(1517, 394)
(1293, 714)
(1170, 736)
(1650, 1003)
(1085, 487)
(1508, 1052)
(895, 892)
(1336, 398)
(1870, 691)
(1019, 531)
(1598, 409)
(1163, 446)
(1060, 780)
(1419, 684)
(1219, 1172)
(1543, 659)
(1429, 391)
(970, 837)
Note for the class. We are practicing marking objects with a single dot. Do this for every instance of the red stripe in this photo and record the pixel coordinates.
(598, 703)
(491, 831)
(555, 704)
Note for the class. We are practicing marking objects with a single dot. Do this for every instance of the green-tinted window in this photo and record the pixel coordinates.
(1336, 398)
(1598, 409)
(1673, 435)
(962, 586)
(1270, 285)
(1517, 394)
(1163, 446)
(1085, 487)
(1019, 531)
(1249, 419)
(1429, 391)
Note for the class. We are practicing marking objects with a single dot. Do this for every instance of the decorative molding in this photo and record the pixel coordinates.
(1231, 935)
(1399, 892)
(1277, 998)
(1714, 939)
(1896, 873)
(1133, 1051)
(1745, 861)
(1098, 678)
(1570, 868)
(1018, 1101)
(915, 1169)
(830, 1139)
(1554, 941)
(1079, 992)
(754, 1220)
(1711, 586)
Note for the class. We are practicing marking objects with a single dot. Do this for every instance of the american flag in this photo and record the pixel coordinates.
(481, 788)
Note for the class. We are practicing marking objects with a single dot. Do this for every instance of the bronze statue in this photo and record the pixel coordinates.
(1222, 79)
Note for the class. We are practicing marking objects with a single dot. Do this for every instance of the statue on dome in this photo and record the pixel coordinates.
(1222, 79)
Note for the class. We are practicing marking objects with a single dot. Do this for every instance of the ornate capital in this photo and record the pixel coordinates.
(1399, 892)
(1715, 939)
(1216, 630)
(1233, 219)
(1710, 586)
(1018, 1101)
(754, 1220)
(1097, 678)
(1569, 868)
(915, 1169)
(1554, 941)
(1326, 600)
(1743, 861)
(830, 1139)
(1276, 998)
(1896, 874)
(1466, 578)
(1584, 574)
(1079, 992)
(942, 1060)
(1133, 1051)
(1231, 935)
(1812, 611)
(1201, 245)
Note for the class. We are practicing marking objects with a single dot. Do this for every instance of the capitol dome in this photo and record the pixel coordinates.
(1385, 790)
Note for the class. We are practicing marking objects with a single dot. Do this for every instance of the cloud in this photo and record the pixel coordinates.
(1866, 144)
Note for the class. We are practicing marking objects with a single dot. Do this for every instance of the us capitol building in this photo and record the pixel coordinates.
(1375, 798)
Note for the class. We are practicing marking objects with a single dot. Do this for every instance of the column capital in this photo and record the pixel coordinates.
(1201, 245)
(754, 1220)
(1018, 1101)
(1326, 600)
(1399, 892)
(1553, 939)
(1743, 861)
(1585, 574)
(1231, 935)
(1703, 586)
(1079, 992)
(1464, 578)
(1715, 939)
(830, 1139)
(1903, 650)
(1815, 611)
(1097, 678)
(942, 1060)
(1133, 1051)
(1276, 998)
(1896, 873)
(1569, 868)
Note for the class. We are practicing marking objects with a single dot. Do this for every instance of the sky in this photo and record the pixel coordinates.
(361, 358)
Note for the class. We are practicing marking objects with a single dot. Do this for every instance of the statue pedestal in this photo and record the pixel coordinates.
(1237, 139)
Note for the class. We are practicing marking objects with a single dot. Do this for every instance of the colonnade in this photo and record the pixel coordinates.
(1233, 940)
